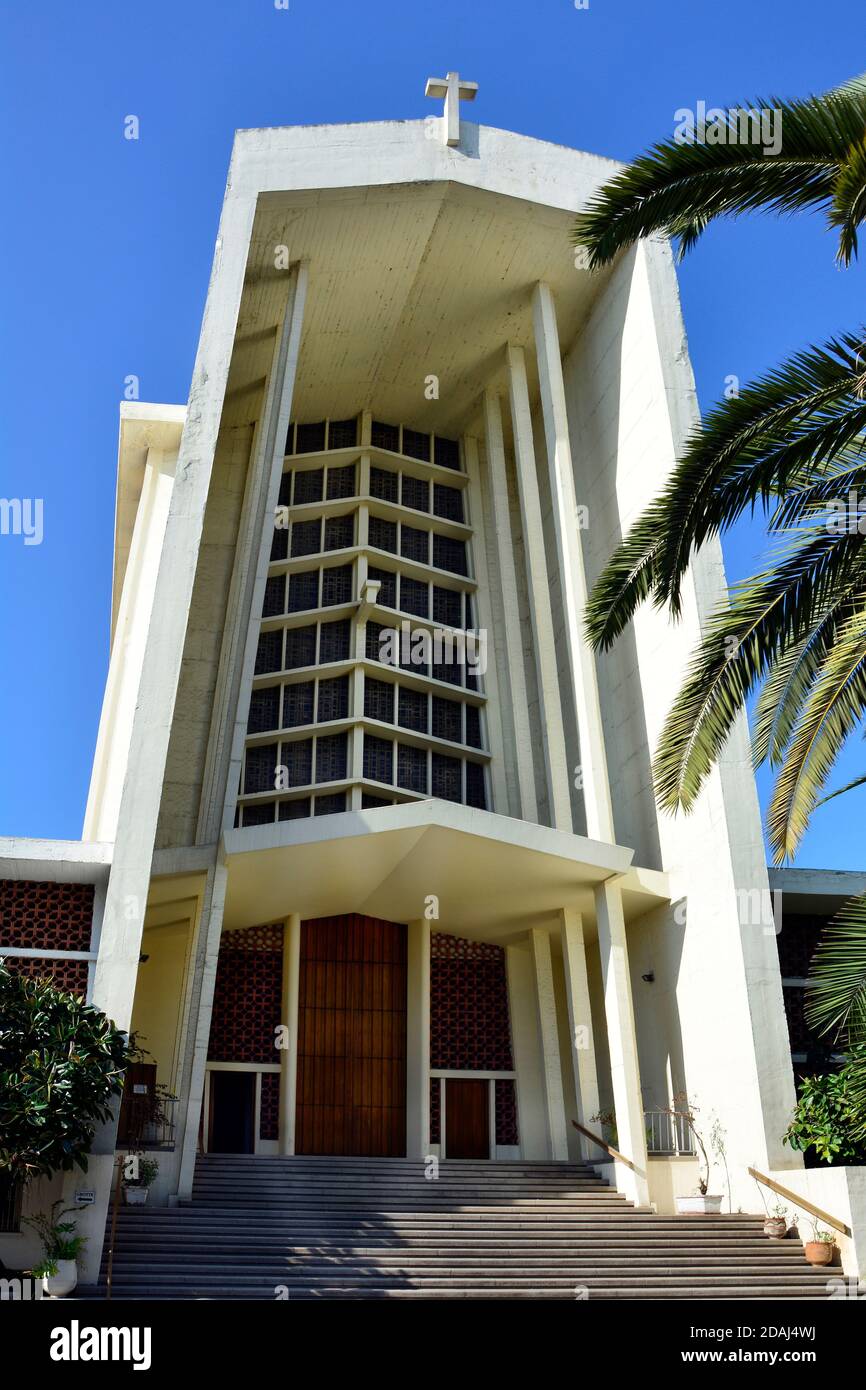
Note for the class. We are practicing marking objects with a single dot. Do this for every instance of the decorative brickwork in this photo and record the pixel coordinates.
(506, 1112)
(435, 1110)
(469, 1023)
(69, 975)
(269, 1119)
(247, 996)
(46, 916)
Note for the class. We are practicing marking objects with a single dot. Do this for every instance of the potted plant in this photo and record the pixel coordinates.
(821, 1249)
(702, 1202)
(139, 1174)
(776, 1224)
(60, 1247)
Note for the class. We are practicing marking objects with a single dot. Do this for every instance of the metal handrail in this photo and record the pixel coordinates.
(608, 1148)
(800, 1202)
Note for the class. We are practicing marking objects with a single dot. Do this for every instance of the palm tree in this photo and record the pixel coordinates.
(793, 444)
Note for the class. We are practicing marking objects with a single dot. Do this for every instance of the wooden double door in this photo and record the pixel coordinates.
(351, 1087)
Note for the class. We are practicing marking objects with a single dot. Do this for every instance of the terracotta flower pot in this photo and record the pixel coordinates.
(776, 1227)
(819, 1252)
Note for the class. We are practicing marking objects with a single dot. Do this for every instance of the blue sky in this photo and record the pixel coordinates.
(106, 245)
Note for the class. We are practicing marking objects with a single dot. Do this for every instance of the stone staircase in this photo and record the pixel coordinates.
(355, 1228)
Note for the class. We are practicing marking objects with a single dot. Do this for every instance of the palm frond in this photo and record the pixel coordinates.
(840, 791)
(836, 987)
(768, 615)
(835, 707)
(679, 188)
(794, 422)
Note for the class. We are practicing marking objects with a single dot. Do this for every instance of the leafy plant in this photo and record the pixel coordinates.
(826, 1120)
(144, 1171)
(61, 1064)
(792, 445)
(681, 1109)
(58, 1240)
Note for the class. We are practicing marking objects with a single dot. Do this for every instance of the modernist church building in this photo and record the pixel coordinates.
(371, 860)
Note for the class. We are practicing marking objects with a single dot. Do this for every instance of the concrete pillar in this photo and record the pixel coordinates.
(622, 1042)
(418, 1040)
(513, 677)
(541, 614)
(549, 1038)
(211, 925)
(580, 1028)
(572, 575)
(289, 1012)
(484, 620)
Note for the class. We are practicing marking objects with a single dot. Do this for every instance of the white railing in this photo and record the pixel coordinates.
(667, 1133)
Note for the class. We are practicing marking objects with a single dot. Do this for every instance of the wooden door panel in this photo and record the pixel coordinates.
(352, 1037)
(467, 1118)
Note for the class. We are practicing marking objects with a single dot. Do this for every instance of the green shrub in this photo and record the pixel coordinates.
(61, 1063)
(828, 1119)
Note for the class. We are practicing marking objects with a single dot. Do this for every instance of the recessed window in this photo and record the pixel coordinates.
(411, 768)
(446, 777)
(475, 792)
(341, 482)
(275, 597)
(379, 700)
(261, 768)
(261, 814)
(339, 532)
(416, 445)
(333, 700)
(447, 719)
(330, 805)
(378, 759)
(306, 537)
(342, 434)
(336, 586)
(264, 710)
(303, 591)
(298, 704)
(298, 809)
(280, 544)
(310, 439)
(473, 726)
(331, 757)
(447, 606)
(388, 581)
(309, 486)
(383, 534)
(414, 597)
(416, 493)
(334, 642)
(415, 544)
(300, 647)
(447, 453)
(449, 554)
(448, 502)
(383, 484)
(269, 653)
(297, 759)
(412, 710)
(385, 436)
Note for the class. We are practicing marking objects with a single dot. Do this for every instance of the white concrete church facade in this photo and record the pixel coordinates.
(414, 410)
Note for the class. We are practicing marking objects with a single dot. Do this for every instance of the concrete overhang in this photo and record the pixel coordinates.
(421, 259)
(54, 861)
(143, 426)
(816, 891)
(493, 876)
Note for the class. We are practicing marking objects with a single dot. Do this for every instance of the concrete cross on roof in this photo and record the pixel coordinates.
(454, 91)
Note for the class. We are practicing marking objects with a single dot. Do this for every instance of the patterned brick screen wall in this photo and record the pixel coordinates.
(469, 1025)
(469, 1022)
(69, 975)
(269, 1120)
(247, 997)
(46, 916)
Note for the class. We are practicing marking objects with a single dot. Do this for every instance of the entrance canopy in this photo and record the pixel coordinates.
(492, 876)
